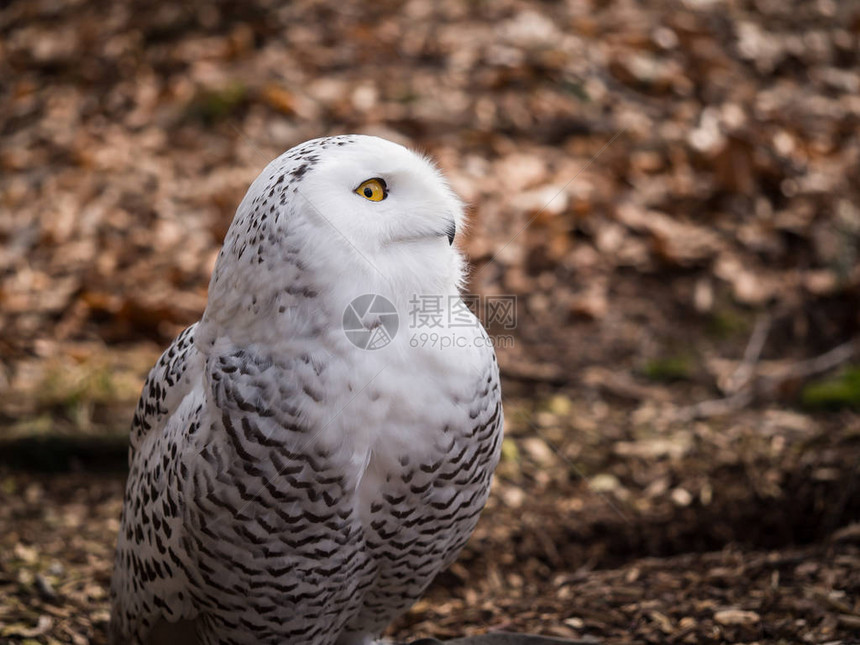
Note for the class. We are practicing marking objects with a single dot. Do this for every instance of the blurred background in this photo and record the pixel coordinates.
(671, 189)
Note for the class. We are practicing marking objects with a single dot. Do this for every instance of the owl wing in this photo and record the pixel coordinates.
(151, 572)
(167, 384)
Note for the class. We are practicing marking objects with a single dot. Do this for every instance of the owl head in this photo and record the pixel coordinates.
(332, 219)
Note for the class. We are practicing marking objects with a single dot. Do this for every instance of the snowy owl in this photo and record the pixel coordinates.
(287, 484)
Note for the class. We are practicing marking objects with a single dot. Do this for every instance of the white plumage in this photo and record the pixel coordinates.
(287, 486)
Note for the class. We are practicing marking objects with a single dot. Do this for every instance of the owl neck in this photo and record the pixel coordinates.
(251, 306)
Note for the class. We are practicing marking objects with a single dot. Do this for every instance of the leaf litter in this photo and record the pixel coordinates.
(683, 438)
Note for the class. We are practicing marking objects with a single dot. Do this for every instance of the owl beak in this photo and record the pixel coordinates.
(451, 231)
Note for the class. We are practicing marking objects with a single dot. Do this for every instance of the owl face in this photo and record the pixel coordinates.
(381, 197)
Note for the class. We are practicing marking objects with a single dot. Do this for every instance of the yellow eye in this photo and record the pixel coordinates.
(373, 189)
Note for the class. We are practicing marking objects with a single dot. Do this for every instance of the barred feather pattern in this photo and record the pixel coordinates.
(263, 539)
(284, 485)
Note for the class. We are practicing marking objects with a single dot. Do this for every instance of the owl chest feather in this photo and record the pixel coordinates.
(363, 505)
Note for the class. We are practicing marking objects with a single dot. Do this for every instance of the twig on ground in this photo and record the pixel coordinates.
(714, 407)
(746, 369)
(754, 386)
(820, 364)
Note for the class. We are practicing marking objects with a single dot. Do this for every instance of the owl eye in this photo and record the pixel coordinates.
(373, 189)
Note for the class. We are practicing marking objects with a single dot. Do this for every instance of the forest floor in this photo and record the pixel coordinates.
(669, 189)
